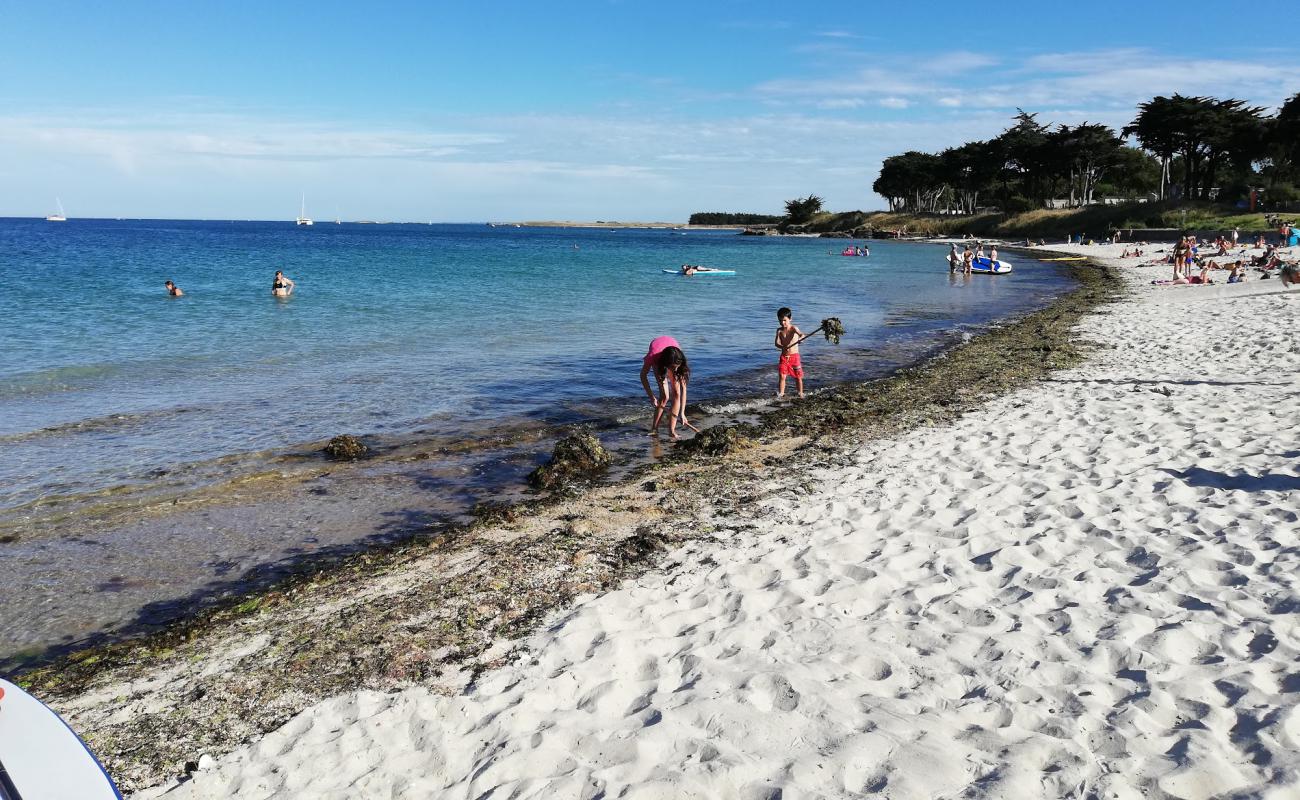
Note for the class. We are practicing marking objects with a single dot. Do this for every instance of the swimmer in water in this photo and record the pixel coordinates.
(281, 286)
(173, 290)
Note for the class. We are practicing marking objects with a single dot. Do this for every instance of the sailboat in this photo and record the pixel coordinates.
(59, 217)
(303, 219)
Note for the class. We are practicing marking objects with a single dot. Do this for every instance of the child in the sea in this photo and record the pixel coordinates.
(787, 341)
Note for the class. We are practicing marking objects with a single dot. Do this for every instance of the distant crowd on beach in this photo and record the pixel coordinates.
(1194, 261)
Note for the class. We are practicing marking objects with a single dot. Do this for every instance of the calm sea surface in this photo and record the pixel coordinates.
(394, 329)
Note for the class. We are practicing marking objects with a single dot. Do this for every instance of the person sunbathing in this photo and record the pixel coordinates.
(1270, 254)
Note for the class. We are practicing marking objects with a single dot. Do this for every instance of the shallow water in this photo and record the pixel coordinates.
(396, 328)
(469, 341)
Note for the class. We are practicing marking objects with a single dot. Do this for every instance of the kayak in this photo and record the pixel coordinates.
(986, 267)
(40, 756)
(702, 271)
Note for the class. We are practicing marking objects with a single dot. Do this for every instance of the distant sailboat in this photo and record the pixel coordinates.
(59, 217)
(302, 214)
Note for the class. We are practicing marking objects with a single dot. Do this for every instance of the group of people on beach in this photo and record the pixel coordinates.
(672, 373)
(280, 287)
(1187, 256)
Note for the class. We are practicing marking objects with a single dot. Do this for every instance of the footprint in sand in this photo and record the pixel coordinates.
(772, 693)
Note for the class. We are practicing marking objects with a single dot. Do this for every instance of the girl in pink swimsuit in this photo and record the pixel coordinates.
(672, 373)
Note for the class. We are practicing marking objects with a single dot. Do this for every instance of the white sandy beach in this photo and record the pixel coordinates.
(1086, 589)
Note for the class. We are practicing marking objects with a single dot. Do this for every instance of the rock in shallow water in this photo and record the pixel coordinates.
(346, 448)
(577, 455)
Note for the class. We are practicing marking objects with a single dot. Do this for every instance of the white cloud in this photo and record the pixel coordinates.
(895, 102)
(841, 102)
(1109, 78)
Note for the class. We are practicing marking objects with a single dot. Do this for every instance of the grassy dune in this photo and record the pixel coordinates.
(1095, 221)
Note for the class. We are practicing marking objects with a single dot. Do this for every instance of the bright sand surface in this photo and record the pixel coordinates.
(1087, 588)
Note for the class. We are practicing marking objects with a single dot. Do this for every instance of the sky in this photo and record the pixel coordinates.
(508, 111)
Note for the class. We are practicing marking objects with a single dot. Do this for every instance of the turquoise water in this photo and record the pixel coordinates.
(404, 330)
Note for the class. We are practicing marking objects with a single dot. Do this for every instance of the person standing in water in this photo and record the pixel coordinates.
(672, 374)
(281, 286)
(788, 337)
(173, 290)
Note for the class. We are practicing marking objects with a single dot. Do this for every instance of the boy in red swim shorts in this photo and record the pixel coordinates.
(787, 341)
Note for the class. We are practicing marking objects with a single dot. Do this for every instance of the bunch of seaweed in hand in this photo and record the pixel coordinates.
(831, 327)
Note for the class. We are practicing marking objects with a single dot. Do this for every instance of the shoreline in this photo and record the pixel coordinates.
(477, 589)
(276, 512)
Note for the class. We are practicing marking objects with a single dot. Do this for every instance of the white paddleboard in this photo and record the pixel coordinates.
(701, 272)
(984, 266)
(41, 758)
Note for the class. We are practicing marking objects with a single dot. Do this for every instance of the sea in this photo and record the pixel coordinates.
(118, 402)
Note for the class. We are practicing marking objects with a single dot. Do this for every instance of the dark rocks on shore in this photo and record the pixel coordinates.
(346, 448)
(578, 455)
(721, 440)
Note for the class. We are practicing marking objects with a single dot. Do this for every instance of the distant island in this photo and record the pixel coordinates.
(725, 218)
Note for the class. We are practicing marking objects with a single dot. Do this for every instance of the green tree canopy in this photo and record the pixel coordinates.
(802, 209)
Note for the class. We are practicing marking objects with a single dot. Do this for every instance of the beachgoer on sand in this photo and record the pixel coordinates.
(672, 373)
(281, 286)
(173, 290)
(788, 337)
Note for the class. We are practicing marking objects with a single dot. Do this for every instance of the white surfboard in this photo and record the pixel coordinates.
(41, 758)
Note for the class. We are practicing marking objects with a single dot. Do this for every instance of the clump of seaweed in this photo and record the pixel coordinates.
(833, 328)
(577, 455)
(721, 440)
(346, 448)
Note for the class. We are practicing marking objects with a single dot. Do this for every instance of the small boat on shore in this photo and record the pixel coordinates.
(689, 271)
(986, 266)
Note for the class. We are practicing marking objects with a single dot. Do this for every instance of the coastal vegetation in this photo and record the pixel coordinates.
(1188, 148)
(725, 218)
(1096, 220)
(1198, 163)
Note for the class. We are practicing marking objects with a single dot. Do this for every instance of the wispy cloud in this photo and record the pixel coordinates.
(1111, 78)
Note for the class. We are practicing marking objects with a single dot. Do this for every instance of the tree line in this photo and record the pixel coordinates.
(727, 218)
(1192, 148)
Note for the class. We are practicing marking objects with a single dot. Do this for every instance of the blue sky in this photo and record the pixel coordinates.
(597, 110)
